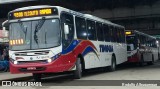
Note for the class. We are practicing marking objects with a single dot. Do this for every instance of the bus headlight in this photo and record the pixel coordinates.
(49, 60)
(15, 62)
(56, 56)
(157, 41)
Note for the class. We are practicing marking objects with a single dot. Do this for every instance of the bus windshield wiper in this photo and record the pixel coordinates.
(23, 28)
(45, 37)
(37, 28)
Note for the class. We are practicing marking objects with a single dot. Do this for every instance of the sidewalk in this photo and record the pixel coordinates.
(8, 76)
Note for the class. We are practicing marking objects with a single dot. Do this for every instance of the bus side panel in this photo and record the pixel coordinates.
(105, 51)
(155, 53)
(120, 51)
(147, 56)
(96, 59)
(101, 58)
(89, 52)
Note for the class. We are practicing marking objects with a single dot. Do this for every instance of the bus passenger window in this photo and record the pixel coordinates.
(119, 35)
(107, 35)
(116, 35)
(99, 32)
(91, 30)
(122, 35)
(113, 34)
(81, 28)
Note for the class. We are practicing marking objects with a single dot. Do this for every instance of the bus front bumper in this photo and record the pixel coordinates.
(53, 67)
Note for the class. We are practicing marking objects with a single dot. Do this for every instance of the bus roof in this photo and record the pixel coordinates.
(141, 33)
(69, 11)
(145, 34)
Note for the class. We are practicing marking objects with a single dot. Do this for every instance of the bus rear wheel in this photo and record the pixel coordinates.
(113, 64)
(78, 71)
(151, 62)
(37, 77)
(141, 63)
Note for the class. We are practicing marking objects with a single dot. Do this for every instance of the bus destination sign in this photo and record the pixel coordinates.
(33, 13)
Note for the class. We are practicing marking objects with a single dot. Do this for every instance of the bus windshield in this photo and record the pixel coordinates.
(34, 34)
(131, 40)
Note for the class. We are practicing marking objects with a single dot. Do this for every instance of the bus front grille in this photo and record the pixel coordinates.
(32, 53)
(37, 61)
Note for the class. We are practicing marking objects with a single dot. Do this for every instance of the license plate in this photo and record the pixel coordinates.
(31, 68)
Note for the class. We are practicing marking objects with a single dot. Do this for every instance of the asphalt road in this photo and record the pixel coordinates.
(97, 78)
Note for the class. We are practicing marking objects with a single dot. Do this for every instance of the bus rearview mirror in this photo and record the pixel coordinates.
(4, 28)
(66, 29)
(130, 47)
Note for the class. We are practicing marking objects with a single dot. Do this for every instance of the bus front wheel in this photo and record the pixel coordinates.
(78, 71)
(113, 64)
(141, 63)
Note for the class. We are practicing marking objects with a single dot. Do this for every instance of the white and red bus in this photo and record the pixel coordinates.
(142, 48)
(51, 39)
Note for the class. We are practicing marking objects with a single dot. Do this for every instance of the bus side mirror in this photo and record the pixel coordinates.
(4, 28)
(66, 29)
(130, 47)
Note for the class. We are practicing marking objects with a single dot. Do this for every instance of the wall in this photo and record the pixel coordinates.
(140, 17)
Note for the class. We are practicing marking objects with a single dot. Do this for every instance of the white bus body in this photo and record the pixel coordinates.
(94, 48)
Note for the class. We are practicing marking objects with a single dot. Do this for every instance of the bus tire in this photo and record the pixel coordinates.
(37, 77)
(113, 64)
(151, 62)
(78, 71)
(141, 63)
